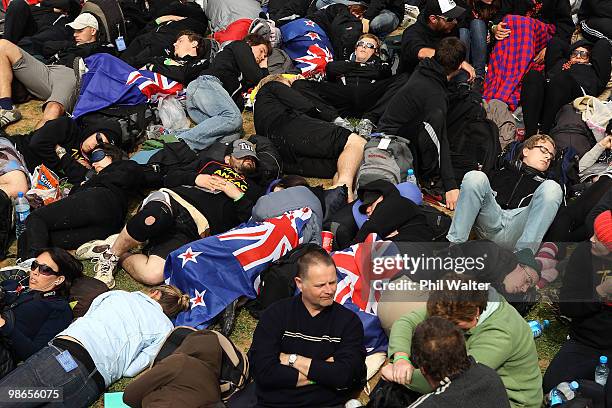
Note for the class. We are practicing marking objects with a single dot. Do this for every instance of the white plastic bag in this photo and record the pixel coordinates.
(172, 114)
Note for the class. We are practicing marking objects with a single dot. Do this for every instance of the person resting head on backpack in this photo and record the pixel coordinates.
(35, 310)
(119, 336)
(192, 55)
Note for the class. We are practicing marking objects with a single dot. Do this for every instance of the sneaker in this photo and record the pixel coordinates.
(93, 249)
(104, 267)
(8, 116)
(364, 127)
(344, 123)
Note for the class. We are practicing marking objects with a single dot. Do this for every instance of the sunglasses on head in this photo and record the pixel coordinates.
(97, 155)
(447, 19)
(365, 44)
(43, 269)
(580, 53)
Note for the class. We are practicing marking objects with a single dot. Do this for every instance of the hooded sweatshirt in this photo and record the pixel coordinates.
(425, 92)
(501, 340)
(189, 377)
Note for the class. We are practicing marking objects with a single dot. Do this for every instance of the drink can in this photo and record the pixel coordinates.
(328, 238)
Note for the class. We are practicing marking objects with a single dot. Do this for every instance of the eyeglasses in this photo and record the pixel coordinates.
(530, 281)
(97, 155)
(580, 53)
(544, 150)
(43, 269)
(448, 19)
(366, 44)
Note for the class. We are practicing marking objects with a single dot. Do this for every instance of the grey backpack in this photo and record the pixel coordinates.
(385, 157)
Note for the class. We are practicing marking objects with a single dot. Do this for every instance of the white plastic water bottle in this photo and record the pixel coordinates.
(410, 177)
(568, 389)
(22, 210)
(602, 371)
(537, 328)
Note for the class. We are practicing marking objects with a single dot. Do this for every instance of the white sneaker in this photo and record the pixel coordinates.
(94, 249)
(104, 267)
(8, 116)
(364, 127)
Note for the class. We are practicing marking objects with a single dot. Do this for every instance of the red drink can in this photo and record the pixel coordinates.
(328, 238)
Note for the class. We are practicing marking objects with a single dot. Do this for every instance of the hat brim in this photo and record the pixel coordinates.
(78, 26)
(455, 12)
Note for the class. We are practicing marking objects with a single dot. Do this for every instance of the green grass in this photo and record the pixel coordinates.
(547, 345)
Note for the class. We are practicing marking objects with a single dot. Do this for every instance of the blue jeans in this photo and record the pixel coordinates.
(515, 228)
(215, 112)
(43, 370)
(381, 25)
(475, 39)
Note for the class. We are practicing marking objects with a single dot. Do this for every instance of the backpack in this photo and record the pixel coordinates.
(385, 157)
(133, 119)
(570, 130)
(439, 222)
(343, 29)
(234, 362)
(499, 113)
(475, 148)
(171, 156)
(82, 292)
(109, 13)
(277, 280)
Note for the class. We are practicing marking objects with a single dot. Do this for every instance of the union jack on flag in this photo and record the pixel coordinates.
(216, 270)
(153, 85)
(307, 45)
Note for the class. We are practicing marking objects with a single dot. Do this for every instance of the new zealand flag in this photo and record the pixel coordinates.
(215, 271)
(110, 81)
(307, 45)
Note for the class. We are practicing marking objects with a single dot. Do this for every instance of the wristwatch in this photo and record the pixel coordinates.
(292, 359)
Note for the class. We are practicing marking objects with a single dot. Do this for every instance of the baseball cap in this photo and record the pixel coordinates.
(445, 8)
(84, 20)
(243, 148)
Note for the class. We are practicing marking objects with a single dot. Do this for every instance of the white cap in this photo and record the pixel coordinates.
(84, 20)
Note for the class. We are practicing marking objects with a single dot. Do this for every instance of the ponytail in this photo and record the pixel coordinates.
(172, 300)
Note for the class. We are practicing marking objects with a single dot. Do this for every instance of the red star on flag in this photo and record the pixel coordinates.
(312, 36)
(188, 255)
(309, 23)
(198, 299)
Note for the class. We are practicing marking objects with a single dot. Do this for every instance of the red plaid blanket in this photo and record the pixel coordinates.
(512, 57)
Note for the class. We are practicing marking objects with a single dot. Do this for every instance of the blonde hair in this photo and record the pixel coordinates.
(172, 300)
(535, 139)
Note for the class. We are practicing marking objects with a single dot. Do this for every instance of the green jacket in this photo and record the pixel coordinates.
(501, 340)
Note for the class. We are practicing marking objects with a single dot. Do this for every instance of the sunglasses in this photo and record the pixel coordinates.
(365, 44)
(43, 269)
(580, 53)
(97, 155)
(544, 150)
(448, 19)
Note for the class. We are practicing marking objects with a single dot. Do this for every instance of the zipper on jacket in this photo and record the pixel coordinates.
(514, 190)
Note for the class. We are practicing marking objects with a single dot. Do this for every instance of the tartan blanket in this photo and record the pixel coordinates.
(512, 57)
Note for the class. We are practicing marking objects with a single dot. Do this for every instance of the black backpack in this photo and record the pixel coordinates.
(570, 130)
(172, 156)
(439, 222)
(109, 13)
(270, 163)
(476, 147)
(277, 280)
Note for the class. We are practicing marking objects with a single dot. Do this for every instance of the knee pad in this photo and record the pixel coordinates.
(141, 228)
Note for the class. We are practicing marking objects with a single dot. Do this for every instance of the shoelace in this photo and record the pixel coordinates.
(106, 266)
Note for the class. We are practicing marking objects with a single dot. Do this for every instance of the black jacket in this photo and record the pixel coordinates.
(342, 28)
(32, 319)
(237, 69)
(354, 73)
(276, 103)
(425, 92)
(64, 52)
(592, 77)
(183, 70)
(38, 147)
(594, 8)
(415, 37)
(280, 9)
(515, 184)
(557, 12)
(376, 6)
(591, 317)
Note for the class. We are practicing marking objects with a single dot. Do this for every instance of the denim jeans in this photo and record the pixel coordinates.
(213, 110)
(514, 228)
(42, 370)
(381, 25)
(475, 39)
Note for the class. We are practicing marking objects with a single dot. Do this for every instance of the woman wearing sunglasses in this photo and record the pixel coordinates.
(94, 209)
(34, 310)
(571, 71)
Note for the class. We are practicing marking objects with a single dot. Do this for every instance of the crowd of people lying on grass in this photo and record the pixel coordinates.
(497, 110)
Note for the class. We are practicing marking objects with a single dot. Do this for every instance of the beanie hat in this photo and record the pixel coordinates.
(525, 257)
(603, 228)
